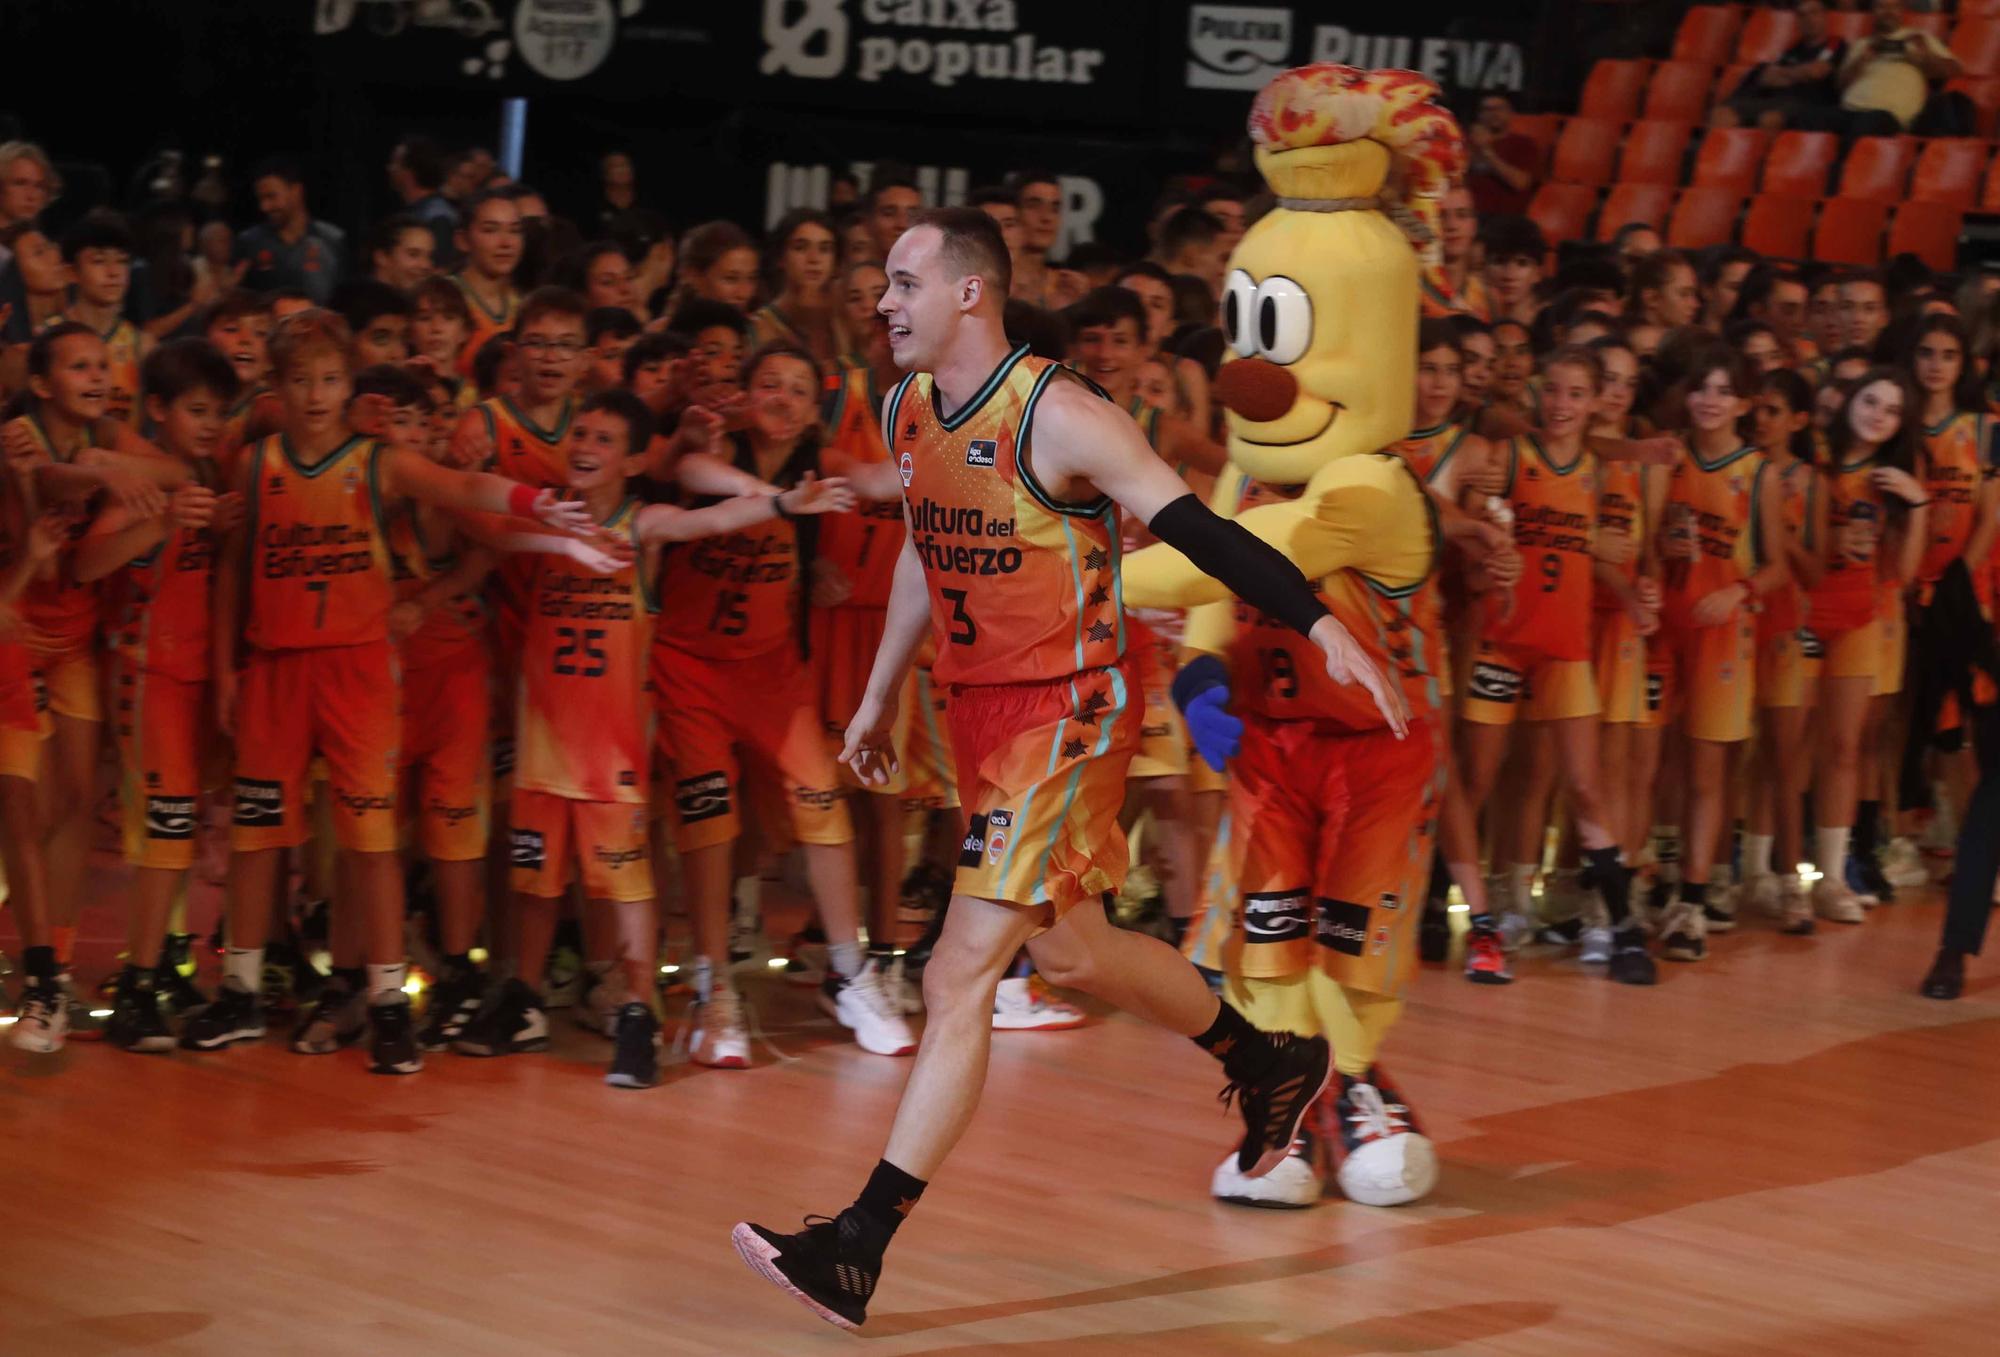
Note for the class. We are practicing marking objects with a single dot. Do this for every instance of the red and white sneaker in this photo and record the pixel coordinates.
(1485, 957)
(1384, 1159)
(1022, 1004)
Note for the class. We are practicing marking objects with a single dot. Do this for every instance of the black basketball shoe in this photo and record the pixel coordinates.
(830, 1267)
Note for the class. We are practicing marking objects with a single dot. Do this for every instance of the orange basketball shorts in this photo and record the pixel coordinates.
(1708, 677)
(340, 702)
(444, 783)
(1509, 683)
(554, 840)
(24, 716)
(163, 725)
(1620, 669)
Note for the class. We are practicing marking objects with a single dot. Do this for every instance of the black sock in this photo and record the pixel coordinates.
(1241, 1048)
(458, 963)
(1867, 828)
(39, 963)
(354, 978)
(1485, 921)
(1177, 930)
(1440, 887)
(135, 978)
(1694, 892)
(1612, 881)
(890, 1195)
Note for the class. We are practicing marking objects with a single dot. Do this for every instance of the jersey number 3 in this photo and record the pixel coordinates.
(962, 633)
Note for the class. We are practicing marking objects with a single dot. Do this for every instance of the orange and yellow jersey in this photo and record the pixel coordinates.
(1848, 594)
(1430, 451)
(527, 452)
(864, 543)
(1784, 608)
(1956, 463)
(584, 725)
(485, 323)
(59, 613)
(1620, 508)
(1024, 589)
(256, 408)
(318, 561)
(738, 595)
(1555, 521)
(1277, 673)
(454, 632)
(1715, 503)
(157, 604)
(1470, 301)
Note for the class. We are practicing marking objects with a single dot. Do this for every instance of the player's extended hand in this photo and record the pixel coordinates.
(564, 515)
(1857, 541)
(404, 619)
(230, 511)
(830, 585)
(192, 507)
(815, 496)
(471, 445)
(46, 535)
(1614, 547)
(600, 553)
(1503, 568)
(1347, 662)
(1895, 481)
(1216, 731)
(1662, 450)
(1719, 605)
(699, 429)
(17, 440)
(135, 494)
(370, 414)
(870, 748)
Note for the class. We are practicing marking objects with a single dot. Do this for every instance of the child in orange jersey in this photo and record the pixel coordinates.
(1722, 548)
(1878, 523)
(303, 664)
(731, 680)
(158, 570)
(440, 324)
(238, 324)
(1533, 659)
(489, 240)
(1788, 660)
(98, 250)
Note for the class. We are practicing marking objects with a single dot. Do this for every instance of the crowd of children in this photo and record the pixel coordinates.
(506, 603)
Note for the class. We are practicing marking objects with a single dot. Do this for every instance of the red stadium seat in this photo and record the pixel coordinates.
(1707, 33)
(1877, 168)
(1978, 9)
(1628, 203)
(1799, 162)
(1778, 227)
(1730, 158)
(1732, 76)
(1848, 25)
(1768, 34)
(1850, 231)
(1984, 91)
(1703, 217)
(1563, 211)
(1976, 42)
(1929, 231)
(1542, 129)
(1653, 153)
(1613, 90)
(1679, 91)
(1949, 171)
(1586, 151)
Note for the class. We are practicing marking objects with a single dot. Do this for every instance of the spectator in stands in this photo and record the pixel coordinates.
(890, 204)
(416, 173)
(401, 251)
(1722, 272)
(1634, 241)
(1038, 198)
(288, 248)
(1225, 204)
(28, 184)
(1515, 252)
(617, 186)
(1778, 299)
(1501, 172)
(1193, 244)
(1777, 93)
(1864, 310)
(1886, 81)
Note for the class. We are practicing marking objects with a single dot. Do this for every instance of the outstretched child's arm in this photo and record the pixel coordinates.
(665, 523)
(411, 475)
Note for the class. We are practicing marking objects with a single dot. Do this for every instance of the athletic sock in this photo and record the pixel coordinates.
(1613, 882)
(1694, 892)
(1440, 887)
(243, 969)
(385, 983)
(1667, 849)
(1867, 829)
(844, 959)
(1830, 851)
(890, 1195)
(1177, 930)
(1757, 855)
(64, 938)
(458, 963)
(1521, 887)
(1242, 1049)
(353, 979)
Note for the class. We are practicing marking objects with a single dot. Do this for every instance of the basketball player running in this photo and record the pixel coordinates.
(1014, 476)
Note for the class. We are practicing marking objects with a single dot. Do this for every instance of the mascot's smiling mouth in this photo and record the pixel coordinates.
(1333, 413)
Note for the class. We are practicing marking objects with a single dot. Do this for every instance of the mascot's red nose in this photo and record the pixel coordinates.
(1255, 388)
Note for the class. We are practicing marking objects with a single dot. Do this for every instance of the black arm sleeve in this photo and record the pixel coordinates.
(1255, 571)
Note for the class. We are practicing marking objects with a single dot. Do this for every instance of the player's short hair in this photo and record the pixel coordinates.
(1188, 227)
(1513, 238)
(1577, 356)
(285, 167)
(42, 350)
(1468, 325)
(779, 348)
(612, 321)
(384, 234)
(444, 295)
(992, 195)
(1144, 268)
(628, 407)
(487, 360)
(97, 229)
(363, 301)
(234, 304)
(309, 334)
(970, 245)
(424, 160)
(1043, 331)
(1105, 306)
(183, 365)
(656, 346)
(398, 383)
(1437, 332)
(560, 302)
(1018, 181)
(470, 212)
(704, 313)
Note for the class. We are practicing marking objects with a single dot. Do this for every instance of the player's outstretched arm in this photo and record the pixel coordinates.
(665, 523)
(413, 476)
(870, 748)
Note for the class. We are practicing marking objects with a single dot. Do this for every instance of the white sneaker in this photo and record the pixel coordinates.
(1720, 911)
(1392, 1165)
(1684, 932)
(1294, 1184)
(1516, 929)
(1596, 948)
(905, 989)
(719, 1039)
(1795, 911)
(1903, 865)
(1765, 895)
(1831, 900)
(1020, 1005)
(864, 1007)
(42, 1021)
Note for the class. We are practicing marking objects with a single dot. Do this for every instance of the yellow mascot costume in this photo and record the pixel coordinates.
(1331, 814)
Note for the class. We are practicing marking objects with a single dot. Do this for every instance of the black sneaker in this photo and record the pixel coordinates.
(135, 1023)
(1947, 977)
(236, 1015)
(177, 989)
(512, 1020)
(1434, 935)
(449, 1006)
(392, 1044)
(1274, 1101)
(1631, 963)
(830, 1267)
(337, 1019)
(1868, 871)
(635, 1062)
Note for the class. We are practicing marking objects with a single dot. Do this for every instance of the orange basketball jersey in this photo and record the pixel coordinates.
(1955, 463)
(318, 564)
(1619, 501)
(1555, 518)
(158, 603)
(58, 613)
(485, 324)
(738, 594)
(122, 351)
(1713, 501)
(453, 632)
(1848, 595)
(1024, 589)
(1784, 609)
(862, 545)
(523, 451)
(584, 728)
(1429, 451)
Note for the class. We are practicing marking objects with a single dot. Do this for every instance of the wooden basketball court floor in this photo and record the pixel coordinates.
(1783, 1150)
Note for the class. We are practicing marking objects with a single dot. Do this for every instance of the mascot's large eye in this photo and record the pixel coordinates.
(1239, 298)
(1282, 315)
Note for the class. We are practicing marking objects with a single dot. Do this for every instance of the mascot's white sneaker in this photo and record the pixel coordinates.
(1385, 1160)
(1292, 1185)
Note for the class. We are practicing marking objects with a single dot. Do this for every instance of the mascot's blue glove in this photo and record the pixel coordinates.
(1201, 691)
